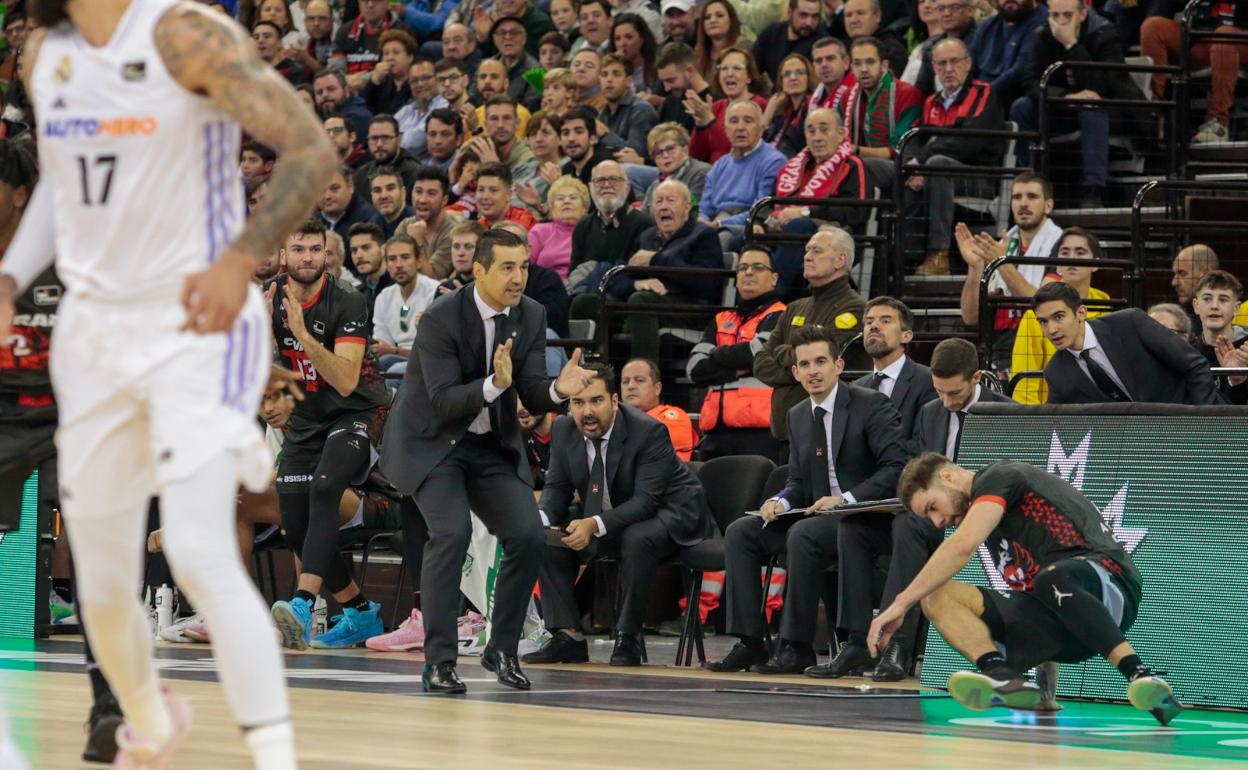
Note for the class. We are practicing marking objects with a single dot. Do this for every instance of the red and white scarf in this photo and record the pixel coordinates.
(824, 180)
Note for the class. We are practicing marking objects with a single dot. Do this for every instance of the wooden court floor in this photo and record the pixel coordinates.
(357, 709)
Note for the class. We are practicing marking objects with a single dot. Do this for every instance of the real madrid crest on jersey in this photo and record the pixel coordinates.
(64, 70)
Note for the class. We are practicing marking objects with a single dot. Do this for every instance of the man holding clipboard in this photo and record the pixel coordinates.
(845, 447)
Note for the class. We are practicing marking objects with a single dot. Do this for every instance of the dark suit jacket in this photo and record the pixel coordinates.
(442, 392)
(644, 478)
(912, 390)
(1155, 365)
(931, 429)
(867, 449)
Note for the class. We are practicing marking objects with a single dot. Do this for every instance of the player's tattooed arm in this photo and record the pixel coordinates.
(210, 55)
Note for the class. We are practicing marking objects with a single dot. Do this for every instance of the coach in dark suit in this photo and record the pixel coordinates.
(956, 381)
(641, 504)
(845, 446)
(888, 327)
(1120, 357)
(454, 442)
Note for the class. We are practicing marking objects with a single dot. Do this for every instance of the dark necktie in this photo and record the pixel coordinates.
(957, 440)
(501, 334)
(820, 485)
(597, 482)
(878, 379)
(1102, 378)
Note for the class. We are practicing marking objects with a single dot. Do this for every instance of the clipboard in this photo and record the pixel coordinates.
(890, 505)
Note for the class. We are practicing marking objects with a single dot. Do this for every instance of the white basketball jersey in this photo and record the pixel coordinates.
(145, 173)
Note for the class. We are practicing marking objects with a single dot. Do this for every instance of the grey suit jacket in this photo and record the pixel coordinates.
(931, 430)
(912, 390)
(866, 446)
(644, 478)
(1155, 365)
(441, 393)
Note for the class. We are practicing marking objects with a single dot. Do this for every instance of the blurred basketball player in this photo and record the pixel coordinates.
(160, 353)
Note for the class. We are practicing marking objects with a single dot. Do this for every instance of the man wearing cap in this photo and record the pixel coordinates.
(679, 22)
(510, 38)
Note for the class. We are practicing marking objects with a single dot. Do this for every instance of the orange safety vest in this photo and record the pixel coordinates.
(746, 401)
(679, 427)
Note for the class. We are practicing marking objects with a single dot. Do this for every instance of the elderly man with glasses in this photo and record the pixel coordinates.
(735, 417)
(957, 20)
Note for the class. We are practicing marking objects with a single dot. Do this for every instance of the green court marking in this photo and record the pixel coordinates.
(1194, 733)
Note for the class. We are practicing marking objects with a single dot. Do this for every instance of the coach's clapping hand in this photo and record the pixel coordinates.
(574, 378)
(214, 298)
(502, 366)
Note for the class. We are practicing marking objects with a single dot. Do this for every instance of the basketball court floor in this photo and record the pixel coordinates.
(359, 709)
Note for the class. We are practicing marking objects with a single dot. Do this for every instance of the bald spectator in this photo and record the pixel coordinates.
(865, 18)
(827, 168)
(746, 174)
(492, 81)
(675, 240)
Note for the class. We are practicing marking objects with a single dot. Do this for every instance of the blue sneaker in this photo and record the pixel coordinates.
(351, 628)
(294, 621)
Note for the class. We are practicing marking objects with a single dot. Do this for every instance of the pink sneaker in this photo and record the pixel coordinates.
(135, 753)
(410, 635)
(471, 633)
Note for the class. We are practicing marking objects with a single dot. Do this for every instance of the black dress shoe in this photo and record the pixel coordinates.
(627, 650)
(893, 666)
(102, 727)
(506, 667)
(789, 660)
(561, 648)
(850, 659)
(442, 679)
(741, 657)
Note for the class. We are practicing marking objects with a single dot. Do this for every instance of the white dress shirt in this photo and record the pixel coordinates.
(1098, 355)
(488, 388)
(954, 425)
(891, 373)
(606, 490)
(828, 404)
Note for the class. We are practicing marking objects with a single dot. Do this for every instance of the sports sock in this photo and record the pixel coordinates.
(200, 540)
(62, 588)
(99, 685)
(272, 746)
(1132, 667)
(993, 663)
(359, 603)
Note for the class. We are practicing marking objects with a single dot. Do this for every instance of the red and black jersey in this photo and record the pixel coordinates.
(974, 107)
(25, 386)
(1046, 520)
(359, 44)
(336, 314)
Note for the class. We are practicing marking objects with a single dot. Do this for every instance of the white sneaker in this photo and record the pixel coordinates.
(536, 640)
(176, 632)
(471, 633)
(1211, 132)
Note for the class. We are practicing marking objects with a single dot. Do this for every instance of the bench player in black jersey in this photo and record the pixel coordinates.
(28, 413)
(1075, 591)
(322, 331)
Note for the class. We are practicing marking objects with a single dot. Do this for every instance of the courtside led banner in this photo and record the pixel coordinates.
(1172, 485)
(19, 550)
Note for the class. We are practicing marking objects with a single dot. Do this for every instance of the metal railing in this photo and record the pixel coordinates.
(903, 170)
(989, 303)
(1181, 84)
(610, 308)
(1042, 152)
